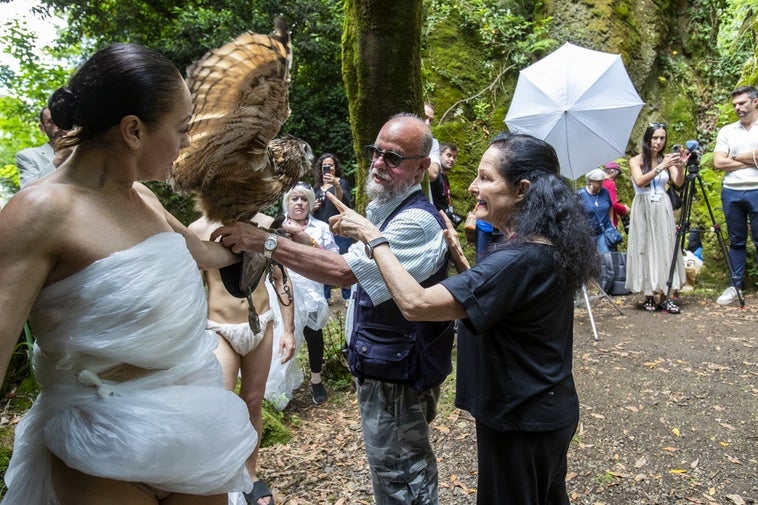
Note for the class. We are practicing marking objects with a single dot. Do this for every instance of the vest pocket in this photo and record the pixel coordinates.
(381, 352)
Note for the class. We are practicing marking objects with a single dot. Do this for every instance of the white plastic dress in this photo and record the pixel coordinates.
(167, 421)
(311, 309)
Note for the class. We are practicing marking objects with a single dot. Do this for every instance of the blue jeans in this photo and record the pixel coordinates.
(344, 244)
(739, 207)
(602, 245)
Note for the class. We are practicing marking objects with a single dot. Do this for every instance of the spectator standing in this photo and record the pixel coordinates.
(311, 307)
(652, 231)
(612, 171)
(597, 206)
(397, 399)
(329, 177)
(736, 154)
(36, 162)
(516, 310)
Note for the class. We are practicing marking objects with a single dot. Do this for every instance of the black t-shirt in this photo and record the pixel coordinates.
(515, 347)
(439, 192)
(327, 208)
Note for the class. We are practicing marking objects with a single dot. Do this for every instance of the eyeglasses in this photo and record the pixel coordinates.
(391, 158)
(302, 184)
(658, 125)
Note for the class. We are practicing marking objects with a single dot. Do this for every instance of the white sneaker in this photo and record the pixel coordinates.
(728, 296)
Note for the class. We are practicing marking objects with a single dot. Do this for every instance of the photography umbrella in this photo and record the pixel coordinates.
(581, 102)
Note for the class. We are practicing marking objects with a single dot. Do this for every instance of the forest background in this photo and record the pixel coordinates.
(684, 57)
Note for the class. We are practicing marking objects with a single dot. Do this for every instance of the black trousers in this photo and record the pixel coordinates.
(521, 467)
(314, 339)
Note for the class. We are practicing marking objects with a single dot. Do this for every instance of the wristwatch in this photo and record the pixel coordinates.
(269, 245)
(373, 244)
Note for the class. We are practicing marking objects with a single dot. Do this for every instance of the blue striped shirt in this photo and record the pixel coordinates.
(415, 238)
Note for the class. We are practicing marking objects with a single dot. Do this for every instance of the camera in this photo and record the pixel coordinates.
(676, 148)
(695, 150)
(453, 217)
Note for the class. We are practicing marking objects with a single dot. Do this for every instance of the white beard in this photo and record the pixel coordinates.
(381, 194)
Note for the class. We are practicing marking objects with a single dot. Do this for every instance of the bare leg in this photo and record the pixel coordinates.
(255, 368)
(230, 364)
(76, 488)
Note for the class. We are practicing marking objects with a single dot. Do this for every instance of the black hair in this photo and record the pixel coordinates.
(549, 209)
(750, 91)
(117, 81)
(448, 145)
(318, 174)
(647, 152)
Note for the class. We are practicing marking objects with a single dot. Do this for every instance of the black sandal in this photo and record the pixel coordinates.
(669, 307)
(649, 304)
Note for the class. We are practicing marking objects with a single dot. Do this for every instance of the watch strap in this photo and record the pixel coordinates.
(372, 244)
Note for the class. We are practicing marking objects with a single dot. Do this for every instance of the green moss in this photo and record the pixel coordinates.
(275, 430)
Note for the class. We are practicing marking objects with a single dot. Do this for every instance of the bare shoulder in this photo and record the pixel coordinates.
(37, 212)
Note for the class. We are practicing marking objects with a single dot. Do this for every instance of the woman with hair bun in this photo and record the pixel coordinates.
(109, 281)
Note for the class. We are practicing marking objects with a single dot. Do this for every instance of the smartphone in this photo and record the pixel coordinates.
(676, 148)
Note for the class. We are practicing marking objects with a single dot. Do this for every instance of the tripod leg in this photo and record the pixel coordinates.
(681, 230)
(589, 311)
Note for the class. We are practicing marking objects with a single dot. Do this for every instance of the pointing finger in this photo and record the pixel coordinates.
(341, 207)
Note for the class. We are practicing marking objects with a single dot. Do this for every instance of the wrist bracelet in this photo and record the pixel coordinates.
(754, 162)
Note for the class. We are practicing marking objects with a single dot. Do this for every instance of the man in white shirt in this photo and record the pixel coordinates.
(36, 162)
(735, 154)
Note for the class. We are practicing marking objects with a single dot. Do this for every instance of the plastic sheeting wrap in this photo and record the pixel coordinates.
(312, 310)
(132, 390)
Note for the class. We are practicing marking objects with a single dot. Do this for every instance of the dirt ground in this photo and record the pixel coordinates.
(669, 415)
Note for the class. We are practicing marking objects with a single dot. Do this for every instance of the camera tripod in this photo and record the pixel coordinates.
(683, 228)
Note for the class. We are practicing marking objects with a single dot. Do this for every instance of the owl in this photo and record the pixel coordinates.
(234, 164)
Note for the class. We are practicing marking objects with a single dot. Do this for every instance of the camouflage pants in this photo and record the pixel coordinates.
(395, 422)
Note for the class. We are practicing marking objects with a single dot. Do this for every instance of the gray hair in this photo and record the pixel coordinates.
(306, 190)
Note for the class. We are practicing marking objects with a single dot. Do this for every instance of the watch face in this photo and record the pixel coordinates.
(270, 244)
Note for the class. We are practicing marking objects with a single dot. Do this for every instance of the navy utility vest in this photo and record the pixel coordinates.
(387, 347)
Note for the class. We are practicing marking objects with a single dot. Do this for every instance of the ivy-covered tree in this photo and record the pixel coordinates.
(381, 65)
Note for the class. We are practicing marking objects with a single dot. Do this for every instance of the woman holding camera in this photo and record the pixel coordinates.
(327, 173)
(652, 233)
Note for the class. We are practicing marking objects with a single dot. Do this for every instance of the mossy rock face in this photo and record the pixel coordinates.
(275, 431)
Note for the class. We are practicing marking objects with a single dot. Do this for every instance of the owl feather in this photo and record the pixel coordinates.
(234, 164)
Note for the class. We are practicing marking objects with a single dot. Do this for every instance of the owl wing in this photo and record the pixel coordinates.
(240, 101)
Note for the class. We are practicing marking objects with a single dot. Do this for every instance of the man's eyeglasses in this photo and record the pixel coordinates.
(657, 126)
(391, 158)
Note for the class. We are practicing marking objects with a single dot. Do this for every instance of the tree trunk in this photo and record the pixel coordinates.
(381, 68)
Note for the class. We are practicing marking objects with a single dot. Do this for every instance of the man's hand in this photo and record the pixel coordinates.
(349, 223)
(240, 237)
